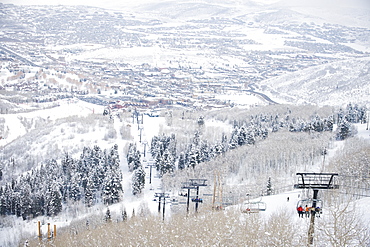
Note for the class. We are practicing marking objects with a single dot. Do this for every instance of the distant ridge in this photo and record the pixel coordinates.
(334, 83)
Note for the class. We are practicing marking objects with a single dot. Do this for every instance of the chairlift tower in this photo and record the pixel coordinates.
(194, 183)
(160, 196)
(315, 181)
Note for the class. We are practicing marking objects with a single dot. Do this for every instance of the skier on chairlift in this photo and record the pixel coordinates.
(300, 211)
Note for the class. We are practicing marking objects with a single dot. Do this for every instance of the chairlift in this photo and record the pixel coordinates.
(309, 202)
(174, 201)
(200, 200)
(254, 207)
(183, 193)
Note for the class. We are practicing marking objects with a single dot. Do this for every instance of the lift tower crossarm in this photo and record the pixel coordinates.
(316, 181)
(193, 183)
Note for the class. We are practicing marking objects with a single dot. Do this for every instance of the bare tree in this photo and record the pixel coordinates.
(342, 224)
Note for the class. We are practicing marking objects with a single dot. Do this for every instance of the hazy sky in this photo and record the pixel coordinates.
(115, 3)
(347, 12)
(122, 3)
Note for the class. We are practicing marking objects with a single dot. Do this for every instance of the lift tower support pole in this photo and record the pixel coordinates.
(311, 230)
(315, 181)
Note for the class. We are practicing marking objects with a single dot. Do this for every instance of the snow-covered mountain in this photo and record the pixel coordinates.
(327, 84)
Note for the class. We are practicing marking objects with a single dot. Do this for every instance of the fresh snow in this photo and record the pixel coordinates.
(152, 126)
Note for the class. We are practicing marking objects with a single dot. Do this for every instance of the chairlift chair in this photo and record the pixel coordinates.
(310, 202)
(254, 207)
(200, 200)
(183, 193)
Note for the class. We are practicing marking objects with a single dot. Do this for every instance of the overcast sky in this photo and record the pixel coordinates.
(122, 3)
(346, 12)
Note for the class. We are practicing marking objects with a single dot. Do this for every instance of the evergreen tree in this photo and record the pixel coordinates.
(133, 158)
(168, 163)
(193, 158)
(329, 123)
(269, 188)
(234, 140)
(250, 139)
(172, 145)
(204, 152)
(3, 205)
(107, 216)
(138, 181)
(67, 165)
(196, 139)
(74, 189)
(181, 162)
(25, 201)
(113, 159)
(224, 143)
(6, 204)
(54, 201)
(318, 124)
(242, 136)
(200, 121)
(89, 193)
(343, 131)
(124, 215)
(38, 206)
(117, 189)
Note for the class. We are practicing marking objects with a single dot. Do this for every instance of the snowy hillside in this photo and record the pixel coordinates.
(328, 84)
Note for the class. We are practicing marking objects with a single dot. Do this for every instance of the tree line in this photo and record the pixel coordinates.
(94, 177)
(248, 131)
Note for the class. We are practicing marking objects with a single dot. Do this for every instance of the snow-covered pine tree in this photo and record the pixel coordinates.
(250, 139)
(3, 204)
(124, 215)
(25, 200)
(74, 188)
(172, 145)
(181, 162)
(317, 124)
(196, 139)
(38, 205)
(138, 180)
(234, 140)
(116, 186)
(242, 136)
(328, 124)
(107, 216)
(113, 158)
(166, 163)
(54, 201)
(130, 155)
(344, 130)
(89, 192)
(200, 121)
(193, 158)
(136, 162)
(6, 204)
(204, 152)
(269, 188)
(111, 187)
